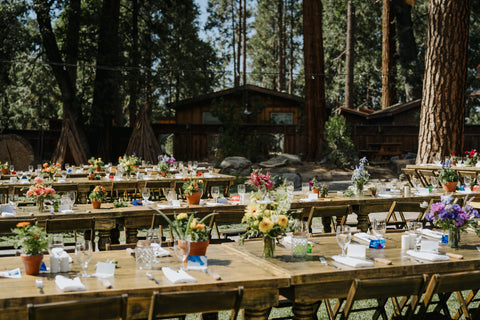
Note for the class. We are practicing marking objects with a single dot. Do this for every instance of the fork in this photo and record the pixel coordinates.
(39, 284)
(151, 277)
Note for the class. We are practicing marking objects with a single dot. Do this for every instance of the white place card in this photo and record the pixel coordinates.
(313, 196)
(105, 270)
(429, 246)
(357, 251)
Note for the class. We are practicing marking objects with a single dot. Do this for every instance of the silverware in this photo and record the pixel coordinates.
(39, 285)
(151, 277)
(324, 262)
(414, 259)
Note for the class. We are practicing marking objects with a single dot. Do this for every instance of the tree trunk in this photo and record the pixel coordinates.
(388, 50)
(290, 61)
(280, 47)
(442, 117)
(349, 55)
(71, 137)
(244, 42)
(239, 43)
(134, 64)
(106, 96)
(314, 78)
(407, 50)
(236, 80)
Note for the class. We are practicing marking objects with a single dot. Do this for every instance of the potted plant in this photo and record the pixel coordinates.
(373, 190)
(5, 167)
(97, 196)
(454, 159)
(91, 172)
(315, 185)
(193, 189)
(188, 228)
(472, 157)
(323, 190)
(32, 240)
(448, 177)
(38, 193)
(97, 163)
(164, 163)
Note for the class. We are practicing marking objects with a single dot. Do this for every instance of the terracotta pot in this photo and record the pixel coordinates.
(96, 204)
(91, 176)
(97, 169)
(315, 190)
(323, 195)
(454, 162)
(198, 248)
(450, 186)
(163, 173)
(5, 171)
(32, 264)
(194, 198)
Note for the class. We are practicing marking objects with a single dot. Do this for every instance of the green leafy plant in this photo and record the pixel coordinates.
(338, 141)
(119, 203)
(30, 238)
(192, 185)
(323, 189)
(96, 162)
(4, 165)
(447, 174)
(98, 194)
(187, 227)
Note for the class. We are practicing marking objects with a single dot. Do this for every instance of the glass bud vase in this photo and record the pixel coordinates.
(359, 189)
(454, 238)
(40, 205)
(268, 247)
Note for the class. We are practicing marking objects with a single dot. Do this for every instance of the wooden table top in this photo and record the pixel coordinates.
(431, 166)
(261, 283)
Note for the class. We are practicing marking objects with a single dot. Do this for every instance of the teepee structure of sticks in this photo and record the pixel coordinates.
(69, 141)
(143, 141)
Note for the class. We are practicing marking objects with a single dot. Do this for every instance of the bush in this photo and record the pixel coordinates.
(339, 145)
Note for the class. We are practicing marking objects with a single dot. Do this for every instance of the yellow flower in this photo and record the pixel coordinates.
(282, 221)
(182, 216)
(251, 209)
(265, 225)
(193, 225)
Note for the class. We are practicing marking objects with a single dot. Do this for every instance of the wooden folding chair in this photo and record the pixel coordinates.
(72, 225)
(381, 290)
(124, 190)
(113, 307)
(4, 194)
(157, 188)
(225, 217)
(426, 176)
(444, 285)
(133, 223)
(327, 213)
(172, 304)
(410, 174)
(398, 209)
(6, 226)
(225, 184)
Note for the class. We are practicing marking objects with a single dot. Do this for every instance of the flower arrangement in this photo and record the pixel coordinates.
(323, 190)
(472, 157)
(264, 220)
(98, 194)
(187, 227)
(447, 214)
(30, 238)
(360, 175)
(453, 157)
(4, 165)
(128, 163)
(164, 162)
(98, 162)
(192, 184)
(261, 181)
(446, 173)
(314, 183)
(39, 193)
(51, 169)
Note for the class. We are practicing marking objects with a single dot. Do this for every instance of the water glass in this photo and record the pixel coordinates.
(215, 191)
(344, 236)
(181, 249)
(144, 255)
(467, 180)
(241, 189)
(379, 228)
(55, 240)
(305, 188)
(154, 236)
(83, 254)
(300, 239)
(145, 194)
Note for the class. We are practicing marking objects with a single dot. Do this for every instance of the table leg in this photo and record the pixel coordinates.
(363, 222)
(103, 239)
(257, 314)
(304, 311)
(131, 235)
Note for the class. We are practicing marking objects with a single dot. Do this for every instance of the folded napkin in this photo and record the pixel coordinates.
(363, 237)
(428, 256)
(437, 235)
(69, 285)
(66, 211)
(385, 195)
(8, 214)
(353, 262)
(159, 251)
(179, 276)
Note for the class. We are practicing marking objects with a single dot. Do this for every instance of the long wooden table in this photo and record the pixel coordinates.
(261, 284)
(311, 281)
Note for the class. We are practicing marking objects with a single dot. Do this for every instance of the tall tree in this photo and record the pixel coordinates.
(315, 114)
(106, 96)
(70, 136)
(349, 55)
(445, 82)
(388, 51)
(281, 72)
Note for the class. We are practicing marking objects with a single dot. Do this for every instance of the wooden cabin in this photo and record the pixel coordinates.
(258, 110)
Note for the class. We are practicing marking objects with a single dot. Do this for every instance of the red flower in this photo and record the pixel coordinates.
(199, 173)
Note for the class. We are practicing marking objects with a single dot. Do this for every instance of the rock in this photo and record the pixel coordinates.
(397, 165)
(281, 160)
(236, 165)
(295, 177)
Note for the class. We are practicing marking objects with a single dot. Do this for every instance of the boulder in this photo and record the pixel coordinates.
(236, 165)
(281, 160)
(295, 177)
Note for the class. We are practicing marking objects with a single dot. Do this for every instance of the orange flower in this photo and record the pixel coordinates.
(23, 224)
(35, 236)
(45, 165)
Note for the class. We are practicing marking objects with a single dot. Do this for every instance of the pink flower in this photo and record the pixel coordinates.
(38, 180)
(38, 192)
(29, 193)
(50, 191)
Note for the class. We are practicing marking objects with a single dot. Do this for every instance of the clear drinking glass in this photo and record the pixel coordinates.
(182, 250)
(305, 188)
(467, 180)
(73, 197)
(83, 254)
(145, 194)
(55, 240)
(417, 229)
(30, 168)
(195, 165)
(300, 239)
(215, 191)
(379, 228)
(344, 236)
(434, 182)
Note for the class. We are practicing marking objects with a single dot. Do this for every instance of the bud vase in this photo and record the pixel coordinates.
(454, 238)
(359, 189)
(268, 247)
(41, 205)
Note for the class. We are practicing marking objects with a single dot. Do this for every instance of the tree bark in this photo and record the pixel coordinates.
(106, 96)
(442, 116)
(244, 42)
(349, 63)
(290, 61)
(388, 50)
(280, 47)
(315, 114)
(407, 50)
(134, 86)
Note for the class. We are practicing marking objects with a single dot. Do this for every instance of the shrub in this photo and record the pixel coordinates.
(339, 145)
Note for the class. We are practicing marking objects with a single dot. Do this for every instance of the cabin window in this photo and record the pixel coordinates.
(208, 118)
(282, 118)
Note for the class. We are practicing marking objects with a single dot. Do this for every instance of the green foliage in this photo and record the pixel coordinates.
(30, 238)
(447, 174)
(338, 142)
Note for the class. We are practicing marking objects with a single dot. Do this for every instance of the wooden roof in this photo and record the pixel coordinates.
(369, 114)
(248, 89)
